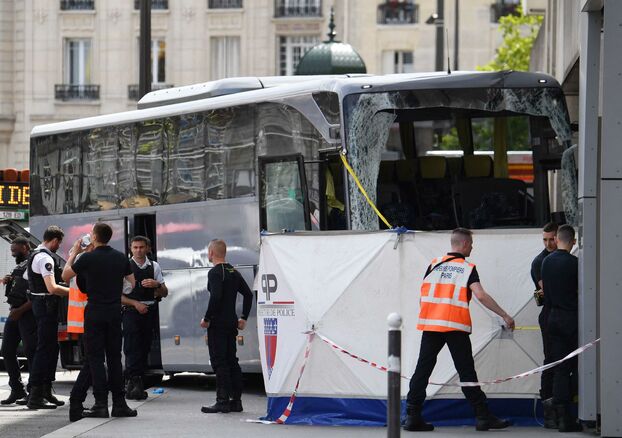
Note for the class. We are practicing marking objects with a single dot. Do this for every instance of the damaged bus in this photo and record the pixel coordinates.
(230, 158)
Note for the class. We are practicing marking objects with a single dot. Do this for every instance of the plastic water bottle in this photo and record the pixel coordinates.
(86, 241)
(158, 390)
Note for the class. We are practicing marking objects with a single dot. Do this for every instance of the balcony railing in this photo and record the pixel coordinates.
(76, 92)
(225, 4)
(398, 13)
(77, 5)
(501, 9)
(132, 89)
(302, 9)
(155, 4)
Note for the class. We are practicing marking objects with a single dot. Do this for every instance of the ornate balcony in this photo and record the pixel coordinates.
(225, 4)
(398, 12)
(66, 92)
(77, 5)
(155, 4)
(302, 8)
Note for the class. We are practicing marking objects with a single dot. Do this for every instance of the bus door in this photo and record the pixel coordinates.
(284, 200)
(145, 225)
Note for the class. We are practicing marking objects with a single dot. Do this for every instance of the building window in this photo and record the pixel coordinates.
(158, 61)
(501, 8)
(398, 12)
(77, 72)
(225, 57)
(225, 4)
(291, 51)
(297, 8)
(77, 5)
(398, 62)
(155, 4)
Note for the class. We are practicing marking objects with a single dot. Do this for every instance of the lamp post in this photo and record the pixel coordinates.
(144, 74)
(438, 19)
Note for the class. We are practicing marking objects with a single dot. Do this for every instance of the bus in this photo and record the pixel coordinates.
(231, 158)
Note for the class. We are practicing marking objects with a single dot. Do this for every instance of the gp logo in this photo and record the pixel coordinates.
(269, 285)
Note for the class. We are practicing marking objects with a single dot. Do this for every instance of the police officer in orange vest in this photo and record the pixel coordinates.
(444, 318)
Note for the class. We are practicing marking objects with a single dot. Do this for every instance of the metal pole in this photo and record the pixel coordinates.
(456, 33)
(144, 75)
(394, 398)
(440, 20)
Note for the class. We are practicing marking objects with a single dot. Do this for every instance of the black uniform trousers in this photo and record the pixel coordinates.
(83, 381)
(24, 330)
(137, 338)
(223, 357)
(45, 310)
(102, 326)
(460, 348)
(563, 328)
(546, 379)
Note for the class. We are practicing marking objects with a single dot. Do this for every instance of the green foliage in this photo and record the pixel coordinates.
(519, 33)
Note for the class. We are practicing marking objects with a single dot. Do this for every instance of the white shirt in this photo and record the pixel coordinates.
(42, 264)
(157, 275)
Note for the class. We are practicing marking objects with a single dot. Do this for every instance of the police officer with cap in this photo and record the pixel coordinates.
(140, 316)
(222, 324)
(44, 276)
(21, 324)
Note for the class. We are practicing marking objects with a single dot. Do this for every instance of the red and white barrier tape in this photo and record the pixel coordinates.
(492, 382)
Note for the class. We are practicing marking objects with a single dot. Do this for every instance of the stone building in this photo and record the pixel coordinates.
(65, 59)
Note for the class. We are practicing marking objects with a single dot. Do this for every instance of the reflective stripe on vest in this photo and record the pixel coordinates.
(75, 310)
(444, 303)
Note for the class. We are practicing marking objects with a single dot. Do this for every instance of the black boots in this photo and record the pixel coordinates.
(566, 421)
(99, 410)
(220, 406)
(487, 421)
(36, 399)
(135, 389)
(49, 396)
(235, 405)
(415, 422)
(550, 414)
(76, 410)
(121, 409)
(15, 395)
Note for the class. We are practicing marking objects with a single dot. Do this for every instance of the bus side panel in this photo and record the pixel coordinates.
(183, 236)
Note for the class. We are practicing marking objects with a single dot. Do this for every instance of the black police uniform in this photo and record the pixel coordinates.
(138, 330)
(560, 279)
(224, 284)
(24, 330)
(103, 270)
(546, 379)
(45, 309)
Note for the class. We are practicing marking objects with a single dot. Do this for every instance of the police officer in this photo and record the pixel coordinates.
(560, 284)
(222, 324)
(445, 319)
(43, 279)
(103, 270)
(546, 381)
(140, 316)
(21, 324)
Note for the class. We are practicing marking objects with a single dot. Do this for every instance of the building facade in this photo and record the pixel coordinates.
(66, 59)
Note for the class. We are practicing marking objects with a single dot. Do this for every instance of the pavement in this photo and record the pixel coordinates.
(176, 413)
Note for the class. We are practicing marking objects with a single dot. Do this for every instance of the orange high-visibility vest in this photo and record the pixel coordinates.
(75, 310)
(444, 303)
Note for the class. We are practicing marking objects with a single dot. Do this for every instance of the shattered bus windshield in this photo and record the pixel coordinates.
(438, 159)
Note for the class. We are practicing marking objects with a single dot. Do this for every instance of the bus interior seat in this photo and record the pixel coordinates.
(478, 166)
(434, 194)
(489, 202)
(456, 168)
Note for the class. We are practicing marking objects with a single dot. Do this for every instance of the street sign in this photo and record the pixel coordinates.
(16, 215)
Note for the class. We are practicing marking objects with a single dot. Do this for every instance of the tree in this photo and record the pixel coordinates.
(519, 33)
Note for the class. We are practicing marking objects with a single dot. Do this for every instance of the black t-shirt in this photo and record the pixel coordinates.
(536, 267)
(224, 284)
(560, 280)
(103, 270)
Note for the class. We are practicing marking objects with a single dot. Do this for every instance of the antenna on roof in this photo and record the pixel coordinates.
(447, 46)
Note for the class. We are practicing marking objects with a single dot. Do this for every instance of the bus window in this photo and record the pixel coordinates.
(283, 197)
(150, 159)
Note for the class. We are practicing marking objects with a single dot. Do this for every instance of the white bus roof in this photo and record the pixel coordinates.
(240, 91)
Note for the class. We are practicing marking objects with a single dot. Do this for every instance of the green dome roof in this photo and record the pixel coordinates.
(331, 57)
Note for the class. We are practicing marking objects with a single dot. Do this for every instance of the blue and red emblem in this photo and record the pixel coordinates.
(270, 330)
